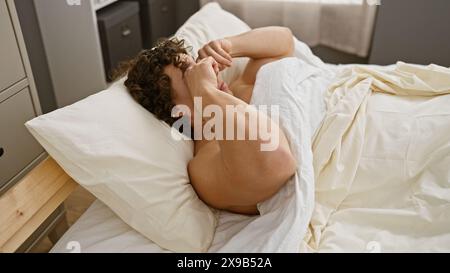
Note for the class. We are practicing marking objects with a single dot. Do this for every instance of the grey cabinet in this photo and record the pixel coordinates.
(10, 61)
(19, 102)
(19, 147)
(19, 151)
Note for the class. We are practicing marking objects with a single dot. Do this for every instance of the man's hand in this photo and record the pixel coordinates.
(220, 50)
(202, 76)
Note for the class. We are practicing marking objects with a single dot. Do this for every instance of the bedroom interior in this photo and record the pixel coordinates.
(59, 180)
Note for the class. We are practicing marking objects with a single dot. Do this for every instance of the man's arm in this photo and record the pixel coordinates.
(262, 43)
(262, 46)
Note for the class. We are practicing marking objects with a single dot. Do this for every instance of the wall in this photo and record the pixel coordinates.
(36, 54)
(416, 31)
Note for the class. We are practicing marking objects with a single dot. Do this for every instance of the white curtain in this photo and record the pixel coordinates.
(346, 25)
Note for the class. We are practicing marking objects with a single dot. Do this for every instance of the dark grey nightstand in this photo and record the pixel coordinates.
(161, 18)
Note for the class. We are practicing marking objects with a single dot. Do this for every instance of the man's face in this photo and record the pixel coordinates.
(181, 94)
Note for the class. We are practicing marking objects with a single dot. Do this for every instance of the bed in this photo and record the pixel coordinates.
(383, 213)
(378, 178)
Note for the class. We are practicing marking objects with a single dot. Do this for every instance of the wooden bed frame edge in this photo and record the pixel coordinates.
(25, 206)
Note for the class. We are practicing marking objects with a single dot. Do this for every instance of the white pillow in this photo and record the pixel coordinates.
(128, 159)
(211, 23)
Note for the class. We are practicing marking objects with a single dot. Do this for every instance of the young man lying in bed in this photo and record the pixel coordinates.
(233, 175)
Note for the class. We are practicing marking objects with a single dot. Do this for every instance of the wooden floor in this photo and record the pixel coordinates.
(75, 205)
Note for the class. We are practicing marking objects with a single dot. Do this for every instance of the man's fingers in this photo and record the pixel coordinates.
(217, 48)
(210, 62)
(201, 54)
(213, 49)
(215, 65)
(211, 52)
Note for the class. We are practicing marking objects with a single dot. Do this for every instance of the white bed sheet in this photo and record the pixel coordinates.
(100, 230)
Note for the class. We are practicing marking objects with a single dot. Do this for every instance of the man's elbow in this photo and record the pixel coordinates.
(289, 50)
(285, 162)
(279, 166)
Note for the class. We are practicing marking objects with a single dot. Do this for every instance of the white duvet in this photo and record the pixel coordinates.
(373, 175)
(382, 162)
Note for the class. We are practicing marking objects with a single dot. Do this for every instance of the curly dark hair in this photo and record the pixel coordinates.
(147, 82)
